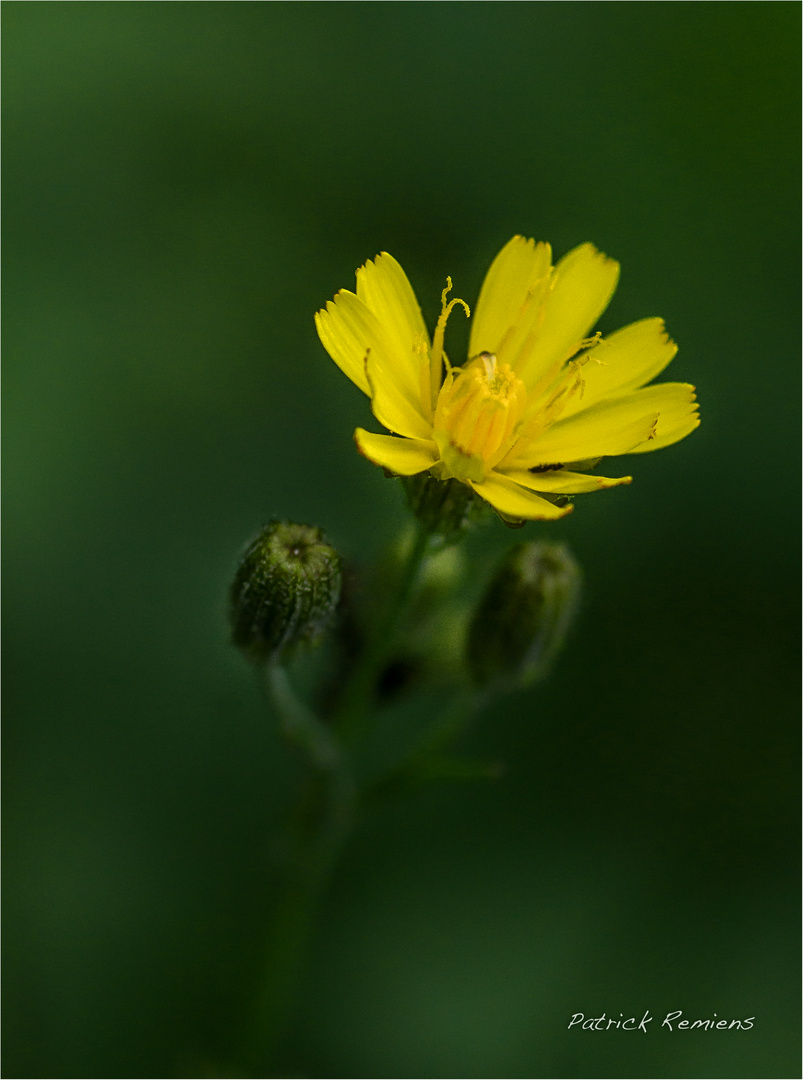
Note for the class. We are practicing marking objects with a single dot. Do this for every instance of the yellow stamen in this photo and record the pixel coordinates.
(541, 414)
(477, 415)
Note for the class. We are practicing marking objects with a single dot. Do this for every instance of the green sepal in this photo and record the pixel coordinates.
(446, 509)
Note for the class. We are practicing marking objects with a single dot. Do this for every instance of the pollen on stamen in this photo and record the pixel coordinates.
(579, 385)
(591, 347)
(589, 343)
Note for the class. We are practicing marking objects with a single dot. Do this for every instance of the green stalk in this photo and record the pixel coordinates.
(353, 713)
(323, 821)
(324, 818)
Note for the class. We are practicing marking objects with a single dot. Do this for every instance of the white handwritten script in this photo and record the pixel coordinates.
(673, 1020)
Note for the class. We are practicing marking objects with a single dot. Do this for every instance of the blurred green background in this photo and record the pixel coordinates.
(184, 185)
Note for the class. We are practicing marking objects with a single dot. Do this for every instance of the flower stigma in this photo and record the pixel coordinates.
(437, 357)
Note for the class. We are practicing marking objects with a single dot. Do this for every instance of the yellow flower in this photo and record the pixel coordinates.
(538, 400)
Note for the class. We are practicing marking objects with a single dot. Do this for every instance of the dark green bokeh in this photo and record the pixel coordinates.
(184, 185)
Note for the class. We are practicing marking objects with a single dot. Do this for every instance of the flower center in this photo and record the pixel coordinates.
(477, 416)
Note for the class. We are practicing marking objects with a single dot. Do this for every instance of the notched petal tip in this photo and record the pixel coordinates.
(331, 305)
(665, 339)
(588, 252)
(663, 333)
(384, 262)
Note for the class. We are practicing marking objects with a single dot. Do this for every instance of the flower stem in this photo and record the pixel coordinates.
(352, 715)
(324, 817)
(299, 724)
(321, 825)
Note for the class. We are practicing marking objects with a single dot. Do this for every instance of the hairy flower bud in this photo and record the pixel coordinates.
(445, 508)
(285, 590)
(521, 621)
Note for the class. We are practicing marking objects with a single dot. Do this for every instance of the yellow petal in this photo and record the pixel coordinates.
(515, 502)
(347, 353)
(584, 283)
(390, 406)
(562, 482)
(406, 457)
(356, 337)
(604, 430)
(624, 361)
(675, 421)
(613, 426)
(383, 287)
(513, 273)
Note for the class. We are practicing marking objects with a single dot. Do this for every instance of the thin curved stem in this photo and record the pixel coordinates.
(299, 723)
(353, 712)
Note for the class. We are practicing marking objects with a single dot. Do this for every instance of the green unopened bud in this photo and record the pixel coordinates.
(445, 508)
(521, 622)
(285, 590)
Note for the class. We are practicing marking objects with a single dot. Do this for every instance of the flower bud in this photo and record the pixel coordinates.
(445, 508)
(521, 622)
(285, 590)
